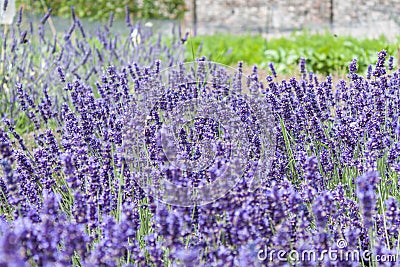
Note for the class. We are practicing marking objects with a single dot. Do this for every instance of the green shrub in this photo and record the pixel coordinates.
(100, 9)
(325, 53)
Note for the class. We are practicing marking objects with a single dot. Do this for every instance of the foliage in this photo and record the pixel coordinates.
(100, 10)
(325, 53)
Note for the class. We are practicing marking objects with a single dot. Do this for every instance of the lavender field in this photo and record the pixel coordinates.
(116, 151)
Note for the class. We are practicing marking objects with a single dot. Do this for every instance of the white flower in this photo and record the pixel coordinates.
(135, 35)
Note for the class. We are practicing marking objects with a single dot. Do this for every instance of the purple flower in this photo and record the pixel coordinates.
(366, 185)
(272, 68)
(380, 68)
(390, 63)
(127, 16)
(323, 208)
(353, 66)
(303, 67)
(369, 72)
(5, 4)
(46, 17)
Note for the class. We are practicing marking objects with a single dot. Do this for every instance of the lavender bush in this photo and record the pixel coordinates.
(73, 189)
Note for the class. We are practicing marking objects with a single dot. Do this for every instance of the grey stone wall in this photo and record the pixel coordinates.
(273, 16)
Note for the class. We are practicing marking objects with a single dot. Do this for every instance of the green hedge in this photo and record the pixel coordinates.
(100, 9)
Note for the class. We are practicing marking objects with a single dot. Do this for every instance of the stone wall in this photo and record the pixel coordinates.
(287, 15)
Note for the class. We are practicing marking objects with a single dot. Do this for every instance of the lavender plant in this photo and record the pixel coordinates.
(73, 191)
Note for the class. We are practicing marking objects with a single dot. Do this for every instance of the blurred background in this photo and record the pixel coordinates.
(357, 17)
(329, 33)
(369, 18)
